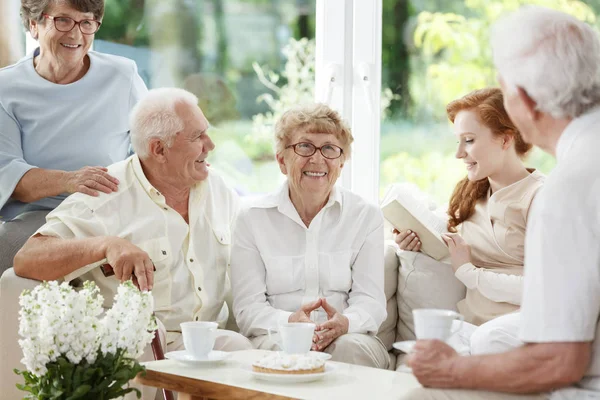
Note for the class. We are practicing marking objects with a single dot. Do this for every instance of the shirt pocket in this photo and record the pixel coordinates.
(223, 246)
(284, 274)
(339, 271)
(159, 251)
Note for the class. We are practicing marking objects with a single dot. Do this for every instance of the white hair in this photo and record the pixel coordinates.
(551, 55)
(154, 116)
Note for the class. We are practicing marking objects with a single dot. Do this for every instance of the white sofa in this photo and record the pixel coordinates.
(419, 283)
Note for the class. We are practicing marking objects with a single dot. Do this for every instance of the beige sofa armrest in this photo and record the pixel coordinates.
(11, 287)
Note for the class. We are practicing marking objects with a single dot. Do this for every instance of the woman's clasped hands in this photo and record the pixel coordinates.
(336, 325)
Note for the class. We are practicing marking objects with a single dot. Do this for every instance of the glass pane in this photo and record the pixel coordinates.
(242, 59)
(435, 51)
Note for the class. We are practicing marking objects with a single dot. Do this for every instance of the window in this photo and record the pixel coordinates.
(435, 51)
(234, 56)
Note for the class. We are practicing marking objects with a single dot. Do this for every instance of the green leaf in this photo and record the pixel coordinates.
(79, 392)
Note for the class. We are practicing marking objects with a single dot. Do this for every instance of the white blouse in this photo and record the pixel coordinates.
(278, 264)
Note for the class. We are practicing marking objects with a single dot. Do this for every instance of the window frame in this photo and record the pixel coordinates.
(348, 78)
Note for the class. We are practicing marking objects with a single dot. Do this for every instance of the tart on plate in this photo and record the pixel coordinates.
(289, 364)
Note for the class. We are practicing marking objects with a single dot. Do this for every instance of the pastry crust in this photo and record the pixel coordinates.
(265, 370)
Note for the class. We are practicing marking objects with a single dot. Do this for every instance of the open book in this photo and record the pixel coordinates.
(405, 211)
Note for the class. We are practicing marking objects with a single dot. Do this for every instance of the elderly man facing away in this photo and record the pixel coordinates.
(170, 213)
(549, 69)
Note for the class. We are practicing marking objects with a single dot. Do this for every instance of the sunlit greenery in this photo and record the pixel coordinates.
(236, 55)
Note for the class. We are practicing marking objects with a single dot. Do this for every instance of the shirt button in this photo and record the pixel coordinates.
(196, 318)
(165, 208)
(164, 253)
(191, 260)
(199, 289)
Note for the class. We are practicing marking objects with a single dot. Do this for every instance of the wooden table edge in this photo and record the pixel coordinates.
(194, 389)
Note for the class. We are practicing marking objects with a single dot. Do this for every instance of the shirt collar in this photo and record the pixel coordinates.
(574, 130)
(280, 199)
(141, 177)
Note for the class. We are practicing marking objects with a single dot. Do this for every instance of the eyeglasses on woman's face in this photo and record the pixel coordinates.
(65, 24)
(306, 149)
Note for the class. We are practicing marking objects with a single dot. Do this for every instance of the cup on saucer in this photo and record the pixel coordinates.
(437, 324)
(199, 338)
(294, 337)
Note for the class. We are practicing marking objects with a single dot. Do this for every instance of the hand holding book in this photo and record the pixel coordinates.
(406, 210)
(407, 240)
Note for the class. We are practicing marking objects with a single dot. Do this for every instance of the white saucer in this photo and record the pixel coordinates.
(184, 357)
(405, 346)
(322, 355)
(290, 378)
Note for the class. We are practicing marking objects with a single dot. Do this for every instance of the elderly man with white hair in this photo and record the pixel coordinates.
(549, 69)
(168, 226)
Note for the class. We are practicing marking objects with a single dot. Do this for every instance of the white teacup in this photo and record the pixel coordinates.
(431, 323)
(199, 337)
(295, 337)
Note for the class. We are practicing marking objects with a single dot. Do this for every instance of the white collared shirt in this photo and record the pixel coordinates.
(191, 260)
(561, 294)
(278, 264)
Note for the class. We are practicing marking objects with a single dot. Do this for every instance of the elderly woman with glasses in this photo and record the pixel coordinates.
(312, 251)
(63, 117)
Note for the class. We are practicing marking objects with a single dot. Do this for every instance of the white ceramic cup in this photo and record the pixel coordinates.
(199, 337)
(431, 323)
(295, 337)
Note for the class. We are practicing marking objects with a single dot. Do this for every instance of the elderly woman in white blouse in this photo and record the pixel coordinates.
(312, 251)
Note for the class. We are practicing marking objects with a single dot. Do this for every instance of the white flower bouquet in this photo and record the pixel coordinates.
(72, 353)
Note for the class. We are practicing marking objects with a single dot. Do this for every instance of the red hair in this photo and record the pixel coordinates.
(489, 105)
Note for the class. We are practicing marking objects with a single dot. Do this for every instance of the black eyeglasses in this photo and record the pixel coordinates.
(65, 24)
(305, 149)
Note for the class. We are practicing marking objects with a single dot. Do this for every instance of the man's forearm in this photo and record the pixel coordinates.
(533, 368)
(38, 183)
(49, 258)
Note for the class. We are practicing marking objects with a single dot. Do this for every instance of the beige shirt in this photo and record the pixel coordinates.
(278, 264)
(496, 234)
(191, 261)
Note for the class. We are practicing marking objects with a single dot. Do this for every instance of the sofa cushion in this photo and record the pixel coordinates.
(387, 330)
(423, 283)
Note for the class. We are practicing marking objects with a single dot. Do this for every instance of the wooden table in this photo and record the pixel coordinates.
(230, 380)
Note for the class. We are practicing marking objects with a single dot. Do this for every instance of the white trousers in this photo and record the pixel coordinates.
(496, 336)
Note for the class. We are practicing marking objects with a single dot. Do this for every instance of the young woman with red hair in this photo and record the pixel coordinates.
(488, 209)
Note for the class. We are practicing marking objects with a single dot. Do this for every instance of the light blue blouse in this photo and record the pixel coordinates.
(63, 127)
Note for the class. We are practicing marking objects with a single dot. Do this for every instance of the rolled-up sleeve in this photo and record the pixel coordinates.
(12, 164)
(72, 219)
(366, 302)
(253, 312)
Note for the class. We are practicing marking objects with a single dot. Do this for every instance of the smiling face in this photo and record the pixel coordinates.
(62, 48)
(186, 158)
(479, 148)
(313, 175)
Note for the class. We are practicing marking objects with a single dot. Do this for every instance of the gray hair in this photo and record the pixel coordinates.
(33, 9)
(312, 118)
(553, 56)
(155, 116)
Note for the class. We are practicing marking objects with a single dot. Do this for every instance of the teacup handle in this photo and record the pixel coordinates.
(462, 320)
(279, 343)
(269, 332)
